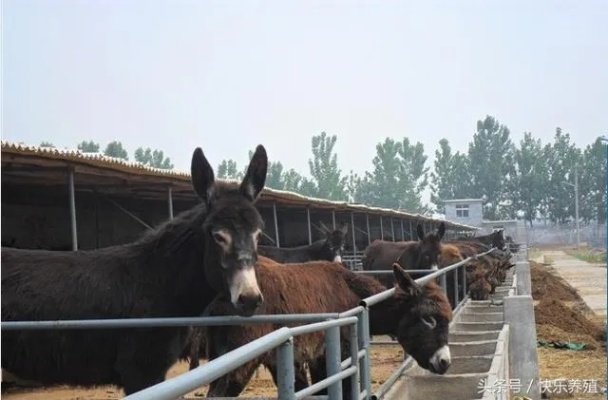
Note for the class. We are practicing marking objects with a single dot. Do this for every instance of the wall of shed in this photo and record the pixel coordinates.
(39, 218)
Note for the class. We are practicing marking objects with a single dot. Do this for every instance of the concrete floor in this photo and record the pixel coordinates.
(588, 279)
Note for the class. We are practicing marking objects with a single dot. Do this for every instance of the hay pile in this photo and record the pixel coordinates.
(546, 285)
(555, 320)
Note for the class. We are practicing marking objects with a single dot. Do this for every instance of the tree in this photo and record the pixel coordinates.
(531, 177)
(115, 149)
(88, 147)
(327, 177)
(153, 158)
(449, 179)
(490, 168)
(397, 180)
(381, 187)
(228, 170)
(561, 157)
(592, 183)
(47, 144)
(413, 175)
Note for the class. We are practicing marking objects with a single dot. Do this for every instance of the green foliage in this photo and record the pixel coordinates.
(449, 178)
(561, 157)
(592, 182)
(153, 158)
(229, 170)
(327, 177)
(47, 144)
(491, 168)
(531, 179)
(398, 178)
(88, 147)
(115, 149)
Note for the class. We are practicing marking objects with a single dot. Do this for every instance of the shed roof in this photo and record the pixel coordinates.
(46, 166)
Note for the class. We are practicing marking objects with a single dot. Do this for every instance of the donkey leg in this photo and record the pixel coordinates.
(141, 364)
(233, 383)
(301, 380)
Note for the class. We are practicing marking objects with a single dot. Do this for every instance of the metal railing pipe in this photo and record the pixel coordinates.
(164, 322)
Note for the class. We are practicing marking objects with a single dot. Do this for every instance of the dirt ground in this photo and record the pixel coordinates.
(385, 359)
(562, 315)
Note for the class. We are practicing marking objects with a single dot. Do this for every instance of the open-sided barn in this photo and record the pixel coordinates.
(66, 199)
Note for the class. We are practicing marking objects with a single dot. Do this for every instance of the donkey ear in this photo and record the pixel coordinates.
(441, 230)
(203, 180)
(255, 178)
(344, 228)
(420, 232)
(404, 281)
(324, 229)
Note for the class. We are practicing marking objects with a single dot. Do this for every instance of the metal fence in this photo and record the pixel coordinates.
(356, 318)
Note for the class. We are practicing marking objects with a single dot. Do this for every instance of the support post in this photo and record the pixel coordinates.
(364, 343)
(333, 218)
(72, 196)
(381, 229)
(96, 219)
(286, 375)
(393, 230)
(402, 231)
(333, 360)
(369, 231)
(276, 224)
(464, 281)
(352, 229)
(412, 236)
(308, 223)
(355, 389)
(578, 230)
(170, 201)
(455, 272)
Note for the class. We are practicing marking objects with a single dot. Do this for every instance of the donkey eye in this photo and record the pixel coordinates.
(220, 237)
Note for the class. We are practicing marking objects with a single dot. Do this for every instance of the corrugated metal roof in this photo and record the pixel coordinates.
(133, 167)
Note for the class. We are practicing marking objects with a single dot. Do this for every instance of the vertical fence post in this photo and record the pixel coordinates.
(393, 230)
(412, 236)
(456, 296)
(352, 230)
(276, 224)
(364, 343)
(354, 356)
(333, 360)
(443, 282)
(369, 231)
(402, 231)
(286, 375)
(170, 201)
(72, 192)
(464, 281)
(309, 228)
(381, 229)
(333, 218)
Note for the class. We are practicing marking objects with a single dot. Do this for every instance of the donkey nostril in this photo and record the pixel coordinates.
(445, 363)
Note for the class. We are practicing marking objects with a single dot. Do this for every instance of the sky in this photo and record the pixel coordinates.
(228, 75)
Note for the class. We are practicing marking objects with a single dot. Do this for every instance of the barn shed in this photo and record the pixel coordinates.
(65, 199)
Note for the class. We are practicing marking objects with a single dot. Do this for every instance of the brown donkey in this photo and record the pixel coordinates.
(417, 315)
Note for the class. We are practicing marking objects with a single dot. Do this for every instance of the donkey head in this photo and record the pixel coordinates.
(335, 239)
(231, 228)
(425, 314)
(429, 247)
